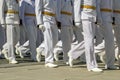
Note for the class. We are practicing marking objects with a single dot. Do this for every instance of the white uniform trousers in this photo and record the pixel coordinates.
(89, 33)
(2, 37)
(109, 44)
(24, 48)
(77, 46)
(117, 35)
(50, 40)
(85, 46)
(13, 35)
(66, 37)
(31, 31)
(23, 36)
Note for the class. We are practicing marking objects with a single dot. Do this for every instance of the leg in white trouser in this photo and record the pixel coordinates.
(40, 51)
(5, 51)
(77, 50)
(100, 48)
(21, 42)
(109, 44)
(50, 39)
(57, 50)
(13, 34)
(77, 46)
(100, 51)
(23, 49)
(66, 37)
(22, 35)
(78, 43)
(32, 37)
(117, 36)
(2, 36)
(89, 33)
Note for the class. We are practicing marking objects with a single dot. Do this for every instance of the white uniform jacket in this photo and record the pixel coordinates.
(116, 10)
(1, 12)
(27, 12)
(9, 12)
(67, 12)
(106, 8)
(88, 10)
(77, 11)
(45, 11)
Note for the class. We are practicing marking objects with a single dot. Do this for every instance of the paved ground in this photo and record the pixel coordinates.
(27, 70)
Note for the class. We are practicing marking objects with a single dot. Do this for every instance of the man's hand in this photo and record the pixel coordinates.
(78, 25)
(3, 25)
(21, 22)
(42, 27)
(113, 23)
(59, 25)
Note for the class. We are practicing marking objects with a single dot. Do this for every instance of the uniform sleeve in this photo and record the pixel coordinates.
(2, 11)
(99, 16)
(58, 11)
(72, 2)
(38, 11)
(22, 11)
(19, 7)
(62, 4)
(77, 11)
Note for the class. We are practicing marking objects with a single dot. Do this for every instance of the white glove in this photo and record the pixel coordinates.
(4, 26)
(78, 25)
(42, 27)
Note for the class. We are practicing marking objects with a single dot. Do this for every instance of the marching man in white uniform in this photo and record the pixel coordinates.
(116, 15)
(2, 35)
(2, 32)
(106, 14)
(45, 14)
(85, 16)
(28, 17)
(10, 18)
(66, 18)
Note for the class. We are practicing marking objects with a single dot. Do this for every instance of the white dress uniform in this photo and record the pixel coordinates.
(66, 26)
(106, 9)
(87, 17)
(28, 17)
(57, 50)
(2, 36)
(45, 14)
(116, 14)
(10, 18)
(2, 31)
(23, 36)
